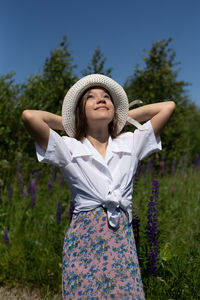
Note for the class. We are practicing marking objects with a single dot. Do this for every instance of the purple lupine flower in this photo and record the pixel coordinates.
(6, 236)
(152, 229)
(150, 165)
(10, 194)
(33, 192)
(174, 163)
(36, 175)
(155, 189)
(53, 172)
(152, 236)
(152, 260)
(136, 179)
(32, 187)
(0, 195)
(197, 162)
(59, 213)
(20, 180)
(19, 165)
(25, 192)
(136, 226)
(71, 210)
(50, 183)
(33, 200)
(143, 168)
(62, 180)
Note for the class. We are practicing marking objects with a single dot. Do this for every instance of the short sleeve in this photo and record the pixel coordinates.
(144, 141)
(57, 152)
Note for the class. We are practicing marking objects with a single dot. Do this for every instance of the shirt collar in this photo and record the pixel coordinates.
(85, 148)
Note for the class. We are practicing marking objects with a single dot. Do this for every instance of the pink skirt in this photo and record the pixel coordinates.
(98, 261)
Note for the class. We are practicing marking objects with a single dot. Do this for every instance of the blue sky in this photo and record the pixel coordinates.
(29, 30)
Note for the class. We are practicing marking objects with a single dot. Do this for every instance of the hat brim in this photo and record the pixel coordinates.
(72, 97)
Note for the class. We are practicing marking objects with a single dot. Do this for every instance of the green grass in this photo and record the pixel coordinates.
(178, 234)
(33, 257)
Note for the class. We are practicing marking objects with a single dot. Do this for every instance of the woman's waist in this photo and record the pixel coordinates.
(112, 207)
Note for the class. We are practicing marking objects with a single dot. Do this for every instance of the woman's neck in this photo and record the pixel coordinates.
(99, 140)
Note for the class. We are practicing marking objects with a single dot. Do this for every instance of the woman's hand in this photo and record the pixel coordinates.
(38, 122)
(158, 113)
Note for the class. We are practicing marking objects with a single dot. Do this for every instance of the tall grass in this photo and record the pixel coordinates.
(34, 216)
(178, 212)
(33, 255)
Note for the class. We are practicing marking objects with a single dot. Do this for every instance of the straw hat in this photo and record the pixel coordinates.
(73, 95)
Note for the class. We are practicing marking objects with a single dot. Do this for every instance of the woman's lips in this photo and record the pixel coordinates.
(102, 107)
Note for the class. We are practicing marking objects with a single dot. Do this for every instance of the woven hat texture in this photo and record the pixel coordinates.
(70, 101)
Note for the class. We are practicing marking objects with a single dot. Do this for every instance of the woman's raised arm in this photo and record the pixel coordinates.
(159, 114)
(38, 122)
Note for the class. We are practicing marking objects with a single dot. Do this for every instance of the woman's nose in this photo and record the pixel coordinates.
(101, 100)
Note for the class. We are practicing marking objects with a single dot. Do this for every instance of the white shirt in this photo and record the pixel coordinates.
(95, 181)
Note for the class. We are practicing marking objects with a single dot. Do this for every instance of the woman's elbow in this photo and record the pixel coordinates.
(171, 106)
(26, 116)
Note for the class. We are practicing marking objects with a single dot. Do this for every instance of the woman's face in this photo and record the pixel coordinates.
(98, 106)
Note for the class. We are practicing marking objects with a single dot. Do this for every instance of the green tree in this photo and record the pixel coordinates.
(97, 64)
(8, 104)
(194, 129)
(158, 82)
(46, 91)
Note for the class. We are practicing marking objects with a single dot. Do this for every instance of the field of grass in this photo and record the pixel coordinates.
(34, 216)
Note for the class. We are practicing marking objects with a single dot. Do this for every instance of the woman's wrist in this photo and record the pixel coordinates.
(147, 112)
(53, 121)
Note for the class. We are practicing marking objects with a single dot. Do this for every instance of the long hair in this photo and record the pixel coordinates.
(81, 120)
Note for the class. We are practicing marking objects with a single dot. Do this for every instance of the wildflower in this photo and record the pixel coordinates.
(36, 175)
(59, 213)
(136, 179)
(19, 162)
(53, 172)
(143, 168)
(32, 187)
(71, 209)
(136, 226)
(152, 258)
(25, 192)
(150, 165)
(6, 236)
(152, 229)
(155, 189)
(62, 180)
(50, 184)
(33, 192)
(33, 198)
(197, 162)
(10, 193)
(0, 194)
(20, 180)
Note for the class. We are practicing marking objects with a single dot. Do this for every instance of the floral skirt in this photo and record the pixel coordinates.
(98, 261)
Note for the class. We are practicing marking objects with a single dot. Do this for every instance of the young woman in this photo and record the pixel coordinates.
(99, 163)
